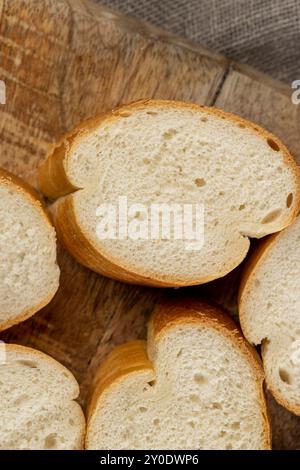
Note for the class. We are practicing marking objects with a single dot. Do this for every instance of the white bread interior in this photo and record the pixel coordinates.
(29, 274)
(270, 312)
(201, 390)
(170, 152)
(37, 407)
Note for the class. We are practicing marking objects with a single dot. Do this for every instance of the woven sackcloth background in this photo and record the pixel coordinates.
(262, 33)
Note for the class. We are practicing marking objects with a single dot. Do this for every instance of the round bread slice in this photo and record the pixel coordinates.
(196, 384)
(29, 274)
(37, 407)
(269, 308)
(173, 155)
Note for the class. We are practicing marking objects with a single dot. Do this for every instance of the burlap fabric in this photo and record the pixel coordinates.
(261, 33)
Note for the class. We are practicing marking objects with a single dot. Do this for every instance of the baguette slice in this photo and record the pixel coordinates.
(29, 274)
(269, 308)
(37, 407)
(196, 384)
(166, 152)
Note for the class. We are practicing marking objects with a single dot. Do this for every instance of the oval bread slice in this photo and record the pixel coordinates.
(29, 274)
(269, 308)
(164, 152)
(37, 407)
(196, 384)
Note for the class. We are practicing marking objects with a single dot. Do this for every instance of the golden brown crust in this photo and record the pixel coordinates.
(132, 357)
(54, 182)
(29, 193)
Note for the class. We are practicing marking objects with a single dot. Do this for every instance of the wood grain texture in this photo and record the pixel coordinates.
(64, 61)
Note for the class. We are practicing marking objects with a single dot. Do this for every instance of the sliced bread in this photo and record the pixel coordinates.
(196, 384)
(164, 152)
(37, 407)
(269, 308)
(29, 274)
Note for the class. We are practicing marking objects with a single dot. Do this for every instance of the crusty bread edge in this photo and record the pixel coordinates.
(246, 285)
(167, 315)
(17, 348)
(30, 194)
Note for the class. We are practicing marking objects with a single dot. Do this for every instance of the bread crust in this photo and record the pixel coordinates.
(132, 357)
(7, 178)
(55, 183)
(34, 353)
(246, 285)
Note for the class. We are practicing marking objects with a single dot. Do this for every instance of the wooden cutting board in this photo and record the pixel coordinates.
(63, 61)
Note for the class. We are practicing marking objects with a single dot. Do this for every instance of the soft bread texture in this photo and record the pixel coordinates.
(269, 307)
(170, 152)
(196, 384)
(29, 274)
(37, 407)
